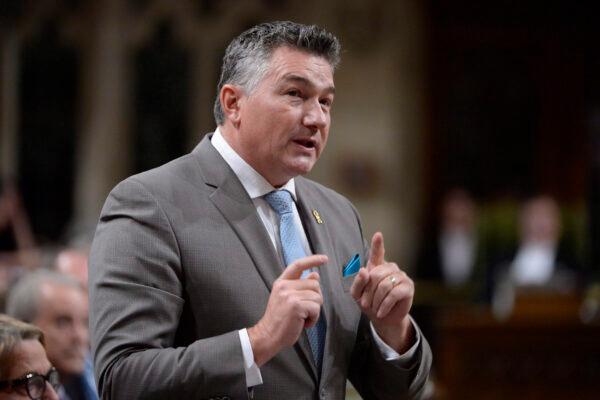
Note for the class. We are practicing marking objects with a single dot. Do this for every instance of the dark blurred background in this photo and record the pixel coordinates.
(468, 132)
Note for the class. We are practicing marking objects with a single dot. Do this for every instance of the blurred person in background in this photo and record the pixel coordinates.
(449, 255)
(57, 304)
(25, 372)
(540, 259)
(540, 263)
(74, 262)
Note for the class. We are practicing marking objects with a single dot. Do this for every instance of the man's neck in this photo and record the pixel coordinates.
(231, 136)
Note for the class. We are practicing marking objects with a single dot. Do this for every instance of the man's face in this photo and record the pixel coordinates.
(284, 122)
(63, 317)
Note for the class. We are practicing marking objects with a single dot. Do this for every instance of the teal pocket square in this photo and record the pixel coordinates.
(352, 267)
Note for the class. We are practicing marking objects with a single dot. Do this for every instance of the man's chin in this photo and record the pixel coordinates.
(302, 165)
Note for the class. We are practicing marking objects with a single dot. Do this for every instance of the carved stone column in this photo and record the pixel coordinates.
(103, 155)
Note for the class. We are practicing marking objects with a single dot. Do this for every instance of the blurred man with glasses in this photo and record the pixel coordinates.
(25, 372)
(58, 305)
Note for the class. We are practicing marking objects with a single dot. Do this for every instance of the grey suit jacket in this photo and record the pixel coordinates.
(181, 261)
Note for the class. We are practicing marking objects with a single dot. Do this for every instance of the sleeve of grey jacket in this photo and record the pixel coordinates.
(136, 300)
(376, 378)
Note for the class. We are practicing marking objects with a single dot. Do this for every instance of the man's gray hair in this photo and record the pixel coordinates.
(247, 56)
(23, 300)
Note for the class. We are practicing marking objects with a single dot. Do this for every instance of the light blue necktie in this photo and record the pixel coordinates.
(291, 244)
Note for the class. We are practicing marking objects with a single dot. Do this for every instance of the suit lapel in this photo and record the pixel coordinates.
(321, 244)
(245, 222)
(237, 208)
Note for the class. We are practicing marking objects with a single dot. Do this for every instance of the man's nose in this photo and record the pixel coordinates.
(82, 333)
(314, 116)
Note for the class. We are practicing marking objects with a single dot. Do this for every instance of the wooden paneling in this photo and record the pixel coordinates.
(541, 352)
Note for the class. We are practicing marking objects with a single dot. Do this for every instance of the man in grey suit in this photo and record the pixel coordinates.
(203, 286)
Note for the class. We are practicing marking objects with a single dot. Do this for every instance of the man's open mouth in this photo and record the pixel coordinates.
(308, 143)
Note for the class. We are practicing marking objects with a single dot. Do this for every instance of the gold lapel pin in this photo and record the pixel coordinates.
(317, 216)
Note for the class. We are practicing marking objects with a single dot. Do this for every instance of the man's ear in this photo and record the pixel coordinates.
(230, 98)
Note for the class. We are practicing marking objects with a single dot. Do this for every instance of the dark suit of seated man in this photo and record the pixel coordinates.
(219, 274)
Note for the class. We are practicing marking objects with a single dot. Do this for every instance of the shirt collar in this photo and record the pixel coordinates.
(254, 183)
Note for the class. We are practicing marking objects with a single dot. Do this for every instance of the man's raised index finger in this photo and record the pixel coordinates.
(377, 250)
(294, 270)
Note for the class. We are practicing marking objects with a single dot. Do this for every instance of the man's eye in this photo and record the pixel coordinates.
(293, 93)
(326, 102)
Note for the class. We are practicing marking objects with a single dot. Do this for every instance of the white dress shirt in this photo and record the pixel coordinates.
(457, 250)
(256, 186)
(534, 264)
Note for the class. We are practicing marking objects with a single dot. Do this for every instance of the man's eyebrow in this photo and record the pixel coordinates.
(304, 81)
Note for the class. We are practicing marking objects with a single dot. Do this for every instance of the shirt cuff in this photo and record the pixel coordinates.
(404, 360)
(253, 376)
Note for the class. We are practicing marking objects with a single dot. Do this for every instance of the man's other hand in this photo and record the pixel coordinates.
(385, 294)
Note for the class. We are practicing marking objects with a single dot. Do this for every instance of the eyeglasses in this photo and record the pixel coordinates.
(34, 383)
